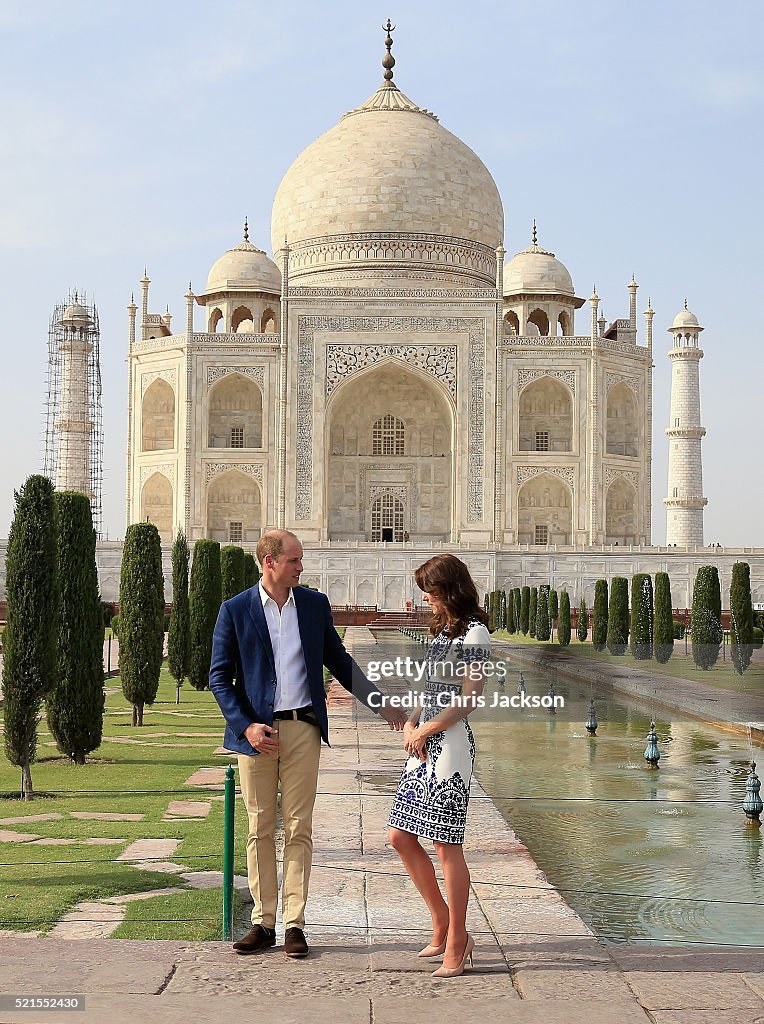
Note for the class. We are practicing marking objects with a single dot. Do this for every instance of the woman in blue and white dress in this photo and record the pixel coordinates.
(433, 793)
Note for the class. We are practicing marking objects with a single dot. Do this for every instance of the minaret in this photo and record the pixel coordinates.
(685, 501)
(74, 423)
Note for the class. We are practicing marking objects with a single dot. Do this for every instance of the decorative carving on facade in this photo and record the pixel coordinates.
(344, 360)
(399, 297)
(618, 378)
(215, 373)
(410, 493)
(526, 473)
(527, 376)
(213, 469)
(614, 474)
(166, 469)
(147, 379)
(307, 326)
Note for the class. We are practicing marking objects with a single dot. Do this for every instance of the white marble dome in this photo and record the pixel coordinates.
(685, 319)
(75, 315)
(536, 271)
(244, 268)
(388, 168)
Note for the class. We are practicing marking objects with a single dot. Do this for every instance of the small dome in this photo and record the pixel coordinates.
(75, 315)
(686, 318)
(537, 271)
(244, 269)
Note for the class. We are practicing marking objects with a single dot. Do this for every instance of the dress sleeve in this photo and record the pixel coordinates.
(476, 646)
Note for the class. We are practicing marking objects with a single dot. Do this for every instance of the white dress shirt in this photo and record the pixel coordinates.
(292, 690)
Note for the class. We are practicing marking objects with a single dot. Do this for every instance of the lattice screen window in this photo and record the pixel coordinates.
(541, 535)
(235, 533)
(542, 440)
(388, 436)
(237, 437)
(386, 519)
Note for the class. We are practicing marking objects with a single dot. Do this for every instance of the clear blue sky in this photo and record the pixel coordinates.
(142, 133)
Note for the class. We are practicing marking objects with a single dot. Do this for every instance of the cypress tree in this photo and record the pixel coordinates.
(532, 609)
(517, 601)
(525, 606)
(75, 705)
(642, 616)
(599, 625)
(141, 617)
(251, 572)
(582, 629)
(741, 614)
(511, 620)
(231, 571)
(618, 616)
(563, 620)
(179, 635)
(503, 608)
(29, 641)
(554, 608)
(493, 602)
(542, 614)
(706, 625)
(663, 626)
(205, 601)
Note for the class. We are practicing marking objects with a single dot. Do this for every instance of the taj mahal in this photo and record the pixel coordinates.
(392, 381)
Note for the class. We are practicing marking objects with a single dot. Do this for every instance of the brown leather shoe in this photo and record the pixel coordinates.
(256, 939)
(294, 942)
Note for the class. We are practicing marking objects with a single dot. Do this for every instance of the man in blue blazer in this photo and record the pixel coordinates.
(268, 652)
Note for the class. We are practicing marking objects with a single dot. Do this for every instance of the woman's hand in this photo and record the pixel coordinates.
(415, 740)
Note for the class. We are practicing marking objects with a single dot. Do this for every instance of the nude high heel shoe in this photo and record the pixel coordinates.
(454, 972)
(434, 950)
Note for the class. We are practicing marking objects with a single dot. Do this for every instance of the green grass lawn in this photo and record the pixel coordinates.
(39, 883)
(679, 665)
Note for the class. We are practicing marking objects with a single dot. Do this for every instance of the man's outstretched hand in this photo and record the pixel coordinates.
(395, 717)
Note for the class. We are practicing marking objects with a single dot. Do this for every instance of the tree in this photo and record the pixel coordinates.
(493, 610)
(511, 620)
(582, 629)
(141, 617)
(563, 621)
(663, 626)
(179, 635)
(525, 607)
(29, 641)
(231, 571)
(532, 609)
(599, 624)
(642, 616)
(251, 572)
(554, 610)
(741, 614)
(618, 616)
(542, 614)
(206, 598)
(706, 624)
(75, 705)
(516, 599)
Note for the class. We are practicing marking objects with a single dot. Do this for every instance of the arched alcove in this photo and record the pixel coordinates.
(511, 323)
(621, 523)
(234, 508)
(156, 504)
(538, 323)
(158, 417)
(387, 519)
(563, 322)
(545, 511)
(268, 322)
(545, 422)
(235, 413)
(622, 422)
(242, 320)
(215, 322)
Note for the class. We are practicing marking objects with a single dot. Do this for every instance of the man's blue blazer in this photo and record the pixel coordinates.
(243, 674)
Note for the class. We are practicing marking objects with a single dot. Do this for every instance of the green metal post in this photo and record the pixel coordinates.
(230, 803)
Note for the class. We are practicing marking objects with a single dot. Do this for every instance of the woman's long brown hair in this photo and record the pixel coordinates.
(448, 578)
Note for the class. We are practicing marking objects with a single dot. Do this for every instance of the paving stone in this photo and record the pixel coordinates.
(755, 980)
(7, 835)
(86, 920)
(22, 819)
(105, 816)
(707, 1017)
(148, 849)
(140, 977)
(187, 809)
(51, 841)
(700, 990)
(594, 983)
(214, 880)
(132, 897)
(206, 777)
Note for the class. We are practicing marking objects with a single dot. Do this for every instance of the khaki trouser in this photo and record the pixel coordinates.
(296, 768)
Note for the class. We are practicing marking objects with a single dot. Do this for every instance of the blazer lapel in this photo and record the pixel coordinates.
(303, 620)
(258, 617)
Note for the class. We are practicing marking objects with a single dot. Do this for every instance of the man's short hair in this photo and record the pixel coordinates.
(272, 543)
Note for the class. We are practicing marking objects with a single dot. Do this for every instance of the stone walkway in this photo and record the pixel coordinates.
(535, 960)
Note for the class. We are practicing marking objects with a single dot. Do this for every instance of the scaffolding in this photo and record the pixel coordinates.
(73, 418)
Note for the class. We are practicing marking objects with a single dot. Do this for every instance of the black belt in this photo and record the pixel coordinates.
(306, 714)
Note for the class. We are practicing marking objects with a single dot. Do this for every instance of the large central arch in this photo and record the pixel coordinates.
(389, 443)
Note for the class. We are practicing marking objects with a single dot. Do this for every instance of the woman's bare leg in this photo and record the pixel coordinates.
(456, 876)
(422, 873)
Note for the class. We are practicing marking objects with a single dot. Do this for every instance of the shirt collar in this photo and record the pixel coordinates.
(265, 597)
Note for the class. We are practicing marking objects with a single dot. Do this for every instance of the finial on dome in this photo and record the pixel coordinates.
(246, 230)
(388, 61)
(685, 302)
(535, 233)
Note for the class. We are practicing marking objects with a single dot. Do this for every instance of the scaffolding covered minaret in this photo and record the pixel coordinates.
(74, 432)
